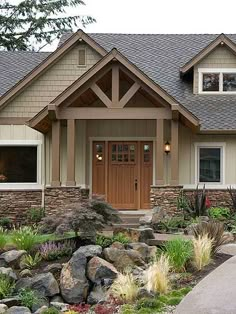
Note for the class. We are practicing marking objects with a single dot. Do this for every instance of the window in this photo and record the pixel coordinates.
(217, 81)
(82, 57)
(209, 164)
(18, 164)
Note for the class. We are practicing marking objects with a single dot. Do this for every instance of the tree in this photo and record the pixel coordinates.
(33, 24)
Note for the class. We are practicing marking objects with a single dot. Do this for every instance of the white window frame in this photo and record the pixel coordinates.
(85, 52)
(222, 147)
(25, 186)
(201, 71)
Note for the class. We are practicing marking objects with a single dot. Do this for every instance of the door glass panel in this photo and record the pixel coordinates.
(132, 157)
(146, 157)
(120, 148)
(146, 148)
(99, 153)
(126, 158)
(125, 147)
(113, 157)
(114, 148)
(119, 157)
(131, 148)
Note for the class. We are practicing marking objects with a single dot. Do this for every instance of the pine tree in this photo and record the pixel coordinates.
(32, 24)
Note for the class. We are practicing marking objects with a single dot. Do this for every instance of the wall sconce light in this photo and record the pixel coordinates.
(167, 147)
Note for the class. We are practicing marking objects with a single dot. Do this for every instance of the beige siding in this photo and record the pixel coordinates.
(221, 57)
(187, 155)
(50, 84)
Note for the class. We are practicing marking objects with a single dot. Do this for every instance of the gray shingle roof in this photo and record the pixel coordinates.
(159, 56)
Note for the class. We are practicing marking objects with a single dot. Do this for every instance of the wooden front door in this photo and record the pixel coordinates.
(123, 172)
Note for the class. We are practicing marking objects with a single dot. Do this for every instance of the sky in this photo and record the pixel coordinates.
(158, 16)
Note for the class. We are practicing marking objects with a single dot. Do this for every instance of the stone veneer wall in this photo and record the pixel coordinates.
(166, 197)
(58, 198)
(15, 204)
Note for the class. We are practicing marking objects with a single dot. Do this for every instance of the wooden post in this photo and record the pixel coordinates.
(56, 134)
(160, 152)
(115, 85)
(71, 153)
(174, 153)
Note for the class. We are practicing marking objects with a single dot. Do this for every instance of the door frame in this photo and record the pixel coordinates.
(114, 139)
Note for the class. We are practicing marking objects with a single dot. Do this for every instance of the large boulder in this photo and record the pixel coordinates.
(73, 282)
(13, 301)
(98, 270)
(13, 257)
(97, 295)
(147, 252)
(54, 268)
(158, 214)
(18, 310)
(3, 308)
(90, 250)
(8, 271)
(123, 258)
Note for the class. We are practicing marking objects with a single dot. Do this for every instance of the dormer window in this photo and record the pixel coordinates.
(221, 81)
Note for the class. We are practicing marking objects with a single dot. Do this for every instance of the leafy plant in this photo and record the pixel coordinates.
(202, 247)
(3, 238)
(79, 308)
(232, 195)
(51, 310)
(6, 223)
(174, 223)
(214, 230)
(28, 298)
(24, 238)
(7, 286)
(197, 203)
(104, 241)
(35, 215)
(52, 250)
(124, 287)
(219, 213)
(182, 201)
(156, 276)
(179, 251)
(30, 262)
(120, 237)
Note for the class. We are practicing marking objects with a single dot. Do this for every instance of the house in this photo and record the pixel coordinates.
(136, 118)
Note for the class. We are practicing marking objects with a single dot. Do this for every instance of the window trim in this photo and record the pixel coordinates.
(23, 185)
(220, 145)
(202, 71)
(85, 53)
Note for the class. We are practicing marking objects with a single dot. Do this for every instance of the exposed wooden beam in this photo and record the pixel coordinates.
(101, 95)
(115, 85)
(129, 94)
(114, 113)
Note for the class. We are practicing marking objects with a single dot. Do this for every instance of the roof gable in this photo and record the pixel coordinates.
(221, 40)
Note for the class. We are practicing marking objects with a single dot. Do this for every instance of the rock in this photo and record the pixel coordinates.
(13, 301)
(53, 268)
(144, 293)
(98, 269)
(90, 250)
(3, 308)
(13, 257)
(229, 248)
(117, 245)
(3, 263)
(45, 284)
(25, 273)
(158, 214)
(107, 282)
(97, 295)
(145, 220)
(18, 310)
(60, 306)
(57, 298)
(147, 252)
(74, 284)
(228, 237)
(136, 234)
(42, 302)
(123, 258)
(23, 283)
(8, 272)
(41, 309)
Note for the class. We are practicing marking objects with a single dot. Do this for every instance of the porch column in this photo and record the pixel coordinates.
(160, 152)
(56, 134)
(174, 180)
(70, 153)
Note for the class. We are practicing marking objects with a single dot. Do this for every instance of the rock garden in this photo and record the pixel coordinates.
(69, 265)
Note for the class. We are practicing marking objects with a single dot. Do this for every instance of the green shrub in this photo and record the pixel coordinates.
(51, 310)
(107, 241)
(24, 238)
(7, 286)
(197, 203)
(219, 213)
(29, 298)
(3, 238)
(179, 252)
(120, 237)
(30, 262)
(35, 215)
(6, 223)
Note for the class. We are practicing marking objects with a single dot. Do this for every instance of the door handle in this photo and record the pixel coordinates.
(136, 184)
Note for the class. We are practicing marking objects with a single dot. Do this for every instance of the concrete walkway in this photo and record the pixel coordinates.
(215, 294)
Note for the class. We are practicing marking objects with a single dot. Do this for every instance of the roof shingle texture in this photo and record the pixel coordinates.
(159, 56)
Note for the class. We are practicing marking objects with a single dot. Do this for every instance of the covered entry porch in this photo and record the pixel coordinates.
(107, 133)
